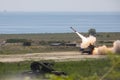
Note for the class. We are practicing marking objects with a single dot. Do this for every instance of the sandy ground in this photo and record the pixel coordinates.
(57, 56)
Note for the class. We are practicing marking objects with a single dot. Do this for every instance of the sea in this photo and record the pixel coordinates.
(58, 22)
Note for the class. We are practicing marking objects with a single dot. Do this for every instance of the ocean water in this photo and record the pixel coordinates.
(57, 22)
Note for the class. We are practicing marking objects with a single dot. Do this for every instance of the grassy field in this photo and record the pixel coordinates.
(36, 39)
(83, 70)
(12, 49)
(76, 70)
(60, 36)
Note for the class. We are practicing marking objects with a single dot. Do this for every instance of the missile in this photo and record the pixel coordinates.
(81, 36)
(73, 29)
(86, 41)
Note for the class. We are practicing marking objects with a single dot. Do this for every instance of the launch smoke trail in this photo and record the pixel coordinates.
(81, 36)
(86, 41)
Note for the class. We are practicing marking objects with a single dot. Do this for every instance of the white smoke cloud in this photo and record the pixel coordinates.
(87, 41)
(116, 46)
(101, 50)
(104, 49)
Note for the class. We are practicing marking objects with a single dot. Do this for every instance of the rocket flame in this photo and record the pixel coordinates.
(86, 41)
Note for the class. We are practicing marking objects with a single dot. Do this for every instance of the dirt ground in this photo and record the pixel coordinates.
(56, 56)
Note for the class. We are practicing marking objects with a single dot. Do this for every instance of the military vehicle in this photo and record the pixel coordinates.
(89, 49)
(42, 68)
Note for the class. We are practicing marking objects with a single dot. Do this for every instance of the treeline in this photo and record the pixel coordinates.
(24, 41)
(29, 42)
(16, 40)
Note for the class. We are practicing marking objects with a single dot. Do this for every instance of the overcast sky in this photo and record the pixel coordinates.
(60, 5)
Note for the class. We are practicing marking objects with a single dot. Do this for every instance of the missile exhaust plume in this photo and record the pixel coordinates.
(81, 36)
(86, 41)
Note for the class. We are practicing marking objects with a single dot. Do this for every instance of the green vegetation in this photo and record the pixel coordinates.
(84, 68)
(41, 42)
(20, 49)
(90, 69)
(92, 32)
(59, 36)
(15, 40)
(10, 69)
(50, 42)
(27, 43)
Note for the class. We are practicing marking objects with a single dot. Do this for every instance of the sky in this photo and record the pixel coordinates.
(60, 5)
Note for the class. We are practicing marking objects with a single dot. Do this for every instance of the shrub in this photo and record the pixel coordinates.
(15, 40)
(92, 32)
(27, 43)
